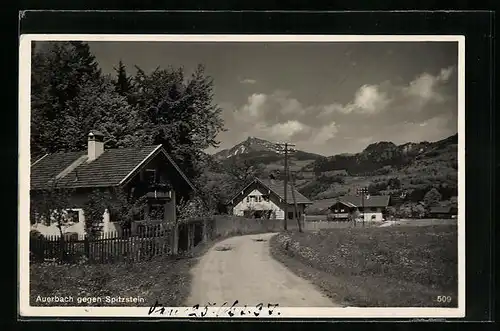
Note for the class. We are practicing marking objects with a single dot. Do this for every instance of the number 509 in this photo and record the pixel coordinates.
(443, 298)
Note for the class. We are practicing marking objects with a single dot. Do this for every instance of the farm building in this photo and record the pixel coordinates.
(147, 172)
(445, 212)
(265, 199)
(372, 207)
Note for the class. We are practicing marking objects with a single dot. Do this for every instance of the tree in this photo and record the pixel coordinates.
(411, 210)
(121, 206)
(69, 97)
(218, 182)
(394, 183)
(355, 216)
(49, 206)
(180, 114)
(216, 189)
(432, 198)
(243, 170)
(99, 107)
(391, 211)
(124, 84)
(418, 211)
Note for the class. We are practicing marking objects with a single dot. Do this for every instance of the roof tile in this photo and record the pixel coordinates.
(278, 187)
(109, 169)
(370, 201)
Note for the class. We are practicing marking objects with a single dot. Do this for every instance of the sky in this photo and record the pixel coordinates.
(327, 98)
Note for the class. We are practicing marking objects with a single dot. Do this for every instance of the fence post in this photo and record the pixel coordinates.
(61, 249)
(175, 239)
(205, 230)
(191, 236)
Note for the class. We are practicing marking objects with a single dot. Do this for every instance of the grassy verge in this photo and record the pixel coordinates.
(164, 279)
(376, 267)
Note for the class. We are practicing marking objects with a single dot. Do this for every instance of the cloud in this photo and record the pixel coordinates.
(253, 107)
(325, 133)
(375, 112)
(297, 132)
(426, 86)
(446, 73)
(365, 140)
(248, 81)
(285, 131)
(278, 107)
(368, 100)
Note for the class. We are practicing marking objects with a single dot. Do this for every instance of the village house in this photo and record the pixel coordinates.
(443, 212)
(265, 199)
(371, 208)
(146, 171)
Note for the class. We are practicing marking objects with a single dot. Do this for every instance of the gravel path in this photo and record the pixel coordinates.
(241, 268)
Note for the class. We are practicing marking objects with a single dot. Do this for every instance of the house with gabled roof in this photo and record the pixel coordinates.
(369, 207)
(146, 171)
(445, 212)
(265, 198)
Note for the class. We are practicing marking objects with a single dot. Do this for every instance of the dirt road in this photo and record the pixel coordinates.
(246, 272)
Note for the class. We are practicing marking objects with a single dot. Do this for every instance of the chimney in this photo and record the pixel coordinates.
(95, 145)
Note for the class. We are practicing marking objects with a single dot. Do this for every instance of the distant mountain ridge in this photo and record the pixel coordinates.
(379, 155)
(410, 169)
(258, 147)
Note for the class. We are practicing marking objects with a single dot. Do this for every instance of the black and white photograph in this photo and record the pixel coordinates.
(242, 176)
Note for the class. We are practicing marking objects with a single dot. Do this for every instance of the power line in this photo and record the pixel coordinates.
(297, 218)
(362, 191)
(285, 147)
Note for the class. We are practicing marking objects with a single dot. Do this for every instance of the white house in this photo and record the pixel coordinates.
(266, 199)
(371, 207)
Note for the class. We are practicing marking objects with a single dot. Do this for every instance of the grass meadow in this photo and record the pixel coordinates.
(396, 266)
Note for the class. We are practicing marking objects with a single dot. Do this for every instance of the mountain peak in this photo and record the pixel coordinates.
(381, 145)
(249, 145)
(258, 147)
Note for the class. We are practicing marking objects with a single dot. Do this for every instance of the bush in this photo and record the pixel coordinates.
(37, 244)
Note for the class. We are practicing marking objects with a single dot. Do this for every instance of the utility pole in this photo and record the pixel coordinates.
(362, 191)
(292, 182)
(284, 148)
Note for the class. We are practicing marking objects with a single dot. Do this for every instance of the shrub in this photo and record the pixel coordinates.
(37, 244)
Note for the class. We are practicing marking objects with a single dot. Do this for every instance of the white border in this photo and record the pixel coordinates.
(26, 310)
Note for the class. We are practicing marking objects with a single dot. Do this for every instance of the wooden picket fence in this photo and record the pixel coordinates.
(117, 246)
(151, 241)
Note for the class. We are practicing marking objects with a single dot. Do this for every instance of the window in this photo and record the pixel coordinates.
(259, 198)
(290, 215)
(72, 216)
(150, 176)
(248, 199)
(113, 215)
(342, 210)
